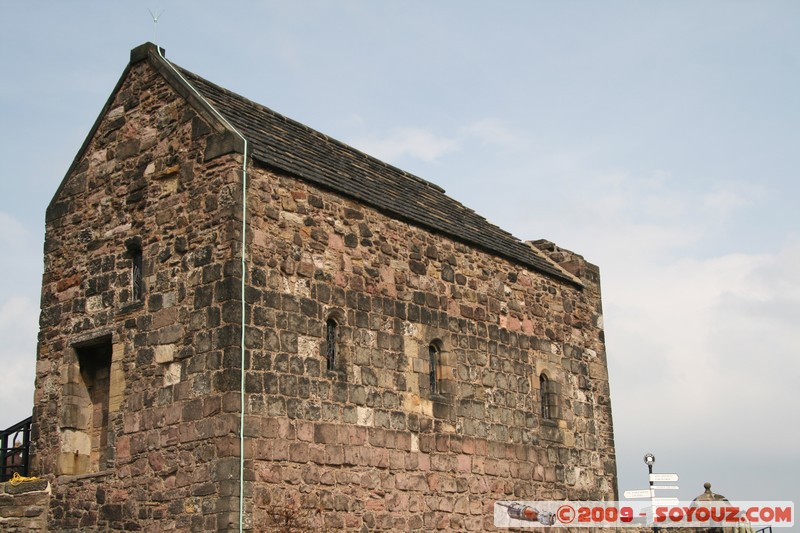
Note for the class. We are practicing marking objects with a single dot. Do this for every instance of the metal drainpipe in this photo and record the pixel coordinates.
(243, 287)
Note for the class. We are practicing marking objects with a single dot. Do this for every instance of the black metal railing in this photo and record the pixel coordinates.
(14, 446)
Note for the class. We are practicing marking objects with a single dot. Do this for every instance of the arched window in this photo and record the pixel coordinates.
(434, 361)
(544, 396)
(331, 333)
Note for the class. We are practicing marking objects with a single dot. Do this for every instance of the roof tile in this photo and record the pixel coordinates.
(290, 146)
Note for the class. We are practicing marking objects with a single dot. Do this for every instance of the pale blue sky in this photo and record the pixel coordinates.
(658, 139)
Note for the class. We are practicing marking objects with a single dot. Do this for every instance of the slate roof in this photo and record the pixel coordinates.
(285, 144)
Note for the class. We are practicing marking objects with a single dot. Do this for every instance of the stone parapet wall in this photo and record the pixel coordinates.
(24, 506)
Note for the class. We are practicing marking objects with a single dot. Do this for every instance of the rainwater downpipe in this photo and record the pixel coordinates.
(244, 280)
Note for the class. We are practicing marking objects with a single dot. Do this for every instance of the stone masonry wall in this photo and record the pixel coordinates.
(369, 444)
(150, 179)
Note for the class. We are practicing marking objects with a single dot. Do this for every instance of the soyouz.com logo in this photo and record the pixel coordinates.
(637, 514)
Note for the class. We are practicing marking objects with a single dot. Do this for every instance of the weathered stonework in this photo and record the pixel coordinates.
(367, 442)
(23, 506)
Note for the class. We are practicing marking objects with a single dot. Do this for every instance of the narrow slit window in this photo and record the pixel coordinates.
(331, 333)
(545, 396)
(434, 359)
(137, 287)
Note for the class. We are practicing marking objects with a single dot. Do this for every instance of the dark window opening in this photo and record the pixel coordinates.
(550, 397)
(137, 287)
(331, 332)
(434, 360)
(544, 396)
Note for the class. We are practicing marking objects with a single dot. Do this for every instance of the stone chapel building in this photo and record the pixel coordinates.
(406, 362)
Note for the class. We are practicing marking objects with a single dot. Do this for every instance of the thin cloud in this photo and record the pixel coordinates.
(718, 353)
(18, 319)
(496, 132)
(19, 316)
(12, 232)
(21, 255)
(726, 198)
(411, 142)
(423, 144)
